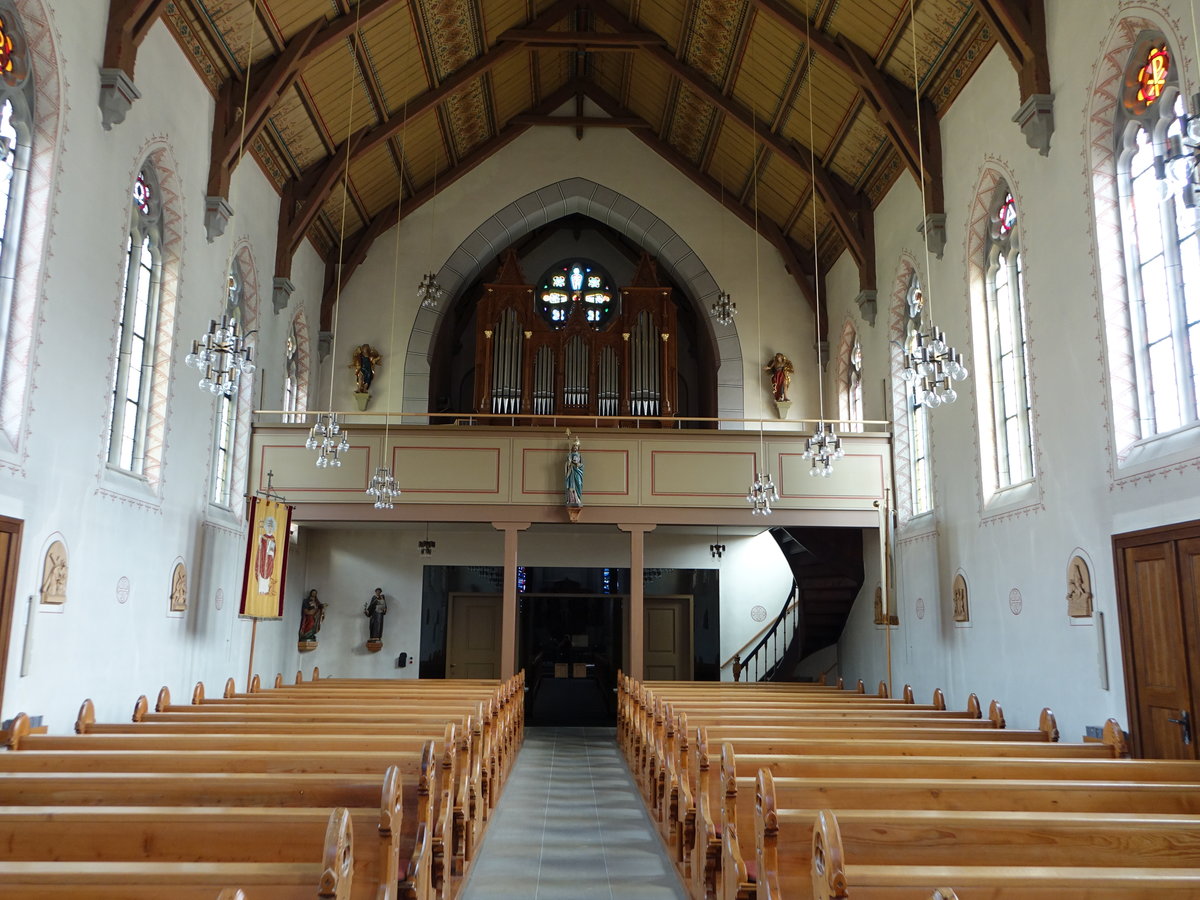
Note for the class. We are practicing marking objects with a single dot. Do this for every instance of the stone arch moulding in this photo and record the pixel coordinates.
(578, 195)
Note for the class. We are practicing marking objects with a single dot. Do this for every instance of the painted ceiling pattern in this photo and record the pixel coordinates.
(707, 50)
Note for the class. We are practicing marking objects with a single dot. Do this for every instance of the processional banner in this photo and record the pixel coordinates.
(266, 559)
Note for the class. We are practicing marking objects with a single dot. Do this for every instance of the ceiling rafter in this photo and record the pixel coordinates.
(854, 233)
(891, 100)
(1020, 27)
(304, 197)
(278, 74)
(357, 250)
(793, 257)
(128, 23)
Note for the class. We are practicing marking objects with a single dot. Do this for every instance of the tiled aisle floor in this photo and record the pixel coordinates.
(571, 825)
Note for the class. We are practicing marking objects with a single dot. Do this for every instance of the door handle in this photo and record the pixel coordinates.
(1186, 722)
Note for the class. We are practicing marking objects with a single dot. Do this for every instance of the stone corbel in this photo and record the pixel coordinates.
(934, 230)
(1036, 119)
(281, 293)
(117, 93)
(217, 213)
(324, 344)
(867, 302)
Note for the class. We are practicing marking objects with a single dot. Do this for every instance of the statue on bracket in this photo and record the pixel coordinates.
(375, 609)
(962, 612)
(780, 369)
(1079, 589)
(573, 478)
(365, 361)
(892, 618)
(312, 614)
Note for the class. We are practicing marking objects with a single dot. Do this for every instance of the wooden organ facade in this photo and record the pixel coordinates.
(574, 346)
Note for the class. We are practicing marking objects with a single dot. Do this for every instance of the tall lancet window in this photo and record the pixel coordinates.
(225, 439)
(1008, 357)
(16, 138)
(918, 415)
(130, 408)
(1158, 208)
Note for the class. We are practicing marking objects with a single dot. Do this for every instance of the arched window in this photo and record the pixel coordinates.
(130, 409)
(850, 359)
(918, 415)
(16, 140)
(291, 372)
(1004, 302)
(1158, 218)
(572, 285)
(226, 430)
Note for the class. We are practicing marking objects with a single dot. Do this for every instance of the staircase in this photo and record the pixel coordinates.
(827, 565)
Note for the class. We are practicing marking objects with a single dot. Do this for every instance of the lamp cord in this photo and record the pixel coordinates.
(812, 159)
(337, 275)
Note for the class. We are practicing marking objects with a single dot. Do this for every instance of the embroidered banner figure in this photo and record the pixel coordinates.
(266, 559)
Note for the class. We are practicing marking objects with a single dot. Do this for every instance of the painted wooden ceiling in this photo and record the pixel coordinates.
(423, 90)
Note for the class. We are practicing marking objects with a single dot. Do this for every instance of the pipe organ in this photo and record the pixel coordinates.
(573, 345)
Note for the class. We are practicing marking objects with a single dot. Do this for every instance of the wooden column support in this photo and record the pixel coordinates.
(1020, 28)
(128, 23)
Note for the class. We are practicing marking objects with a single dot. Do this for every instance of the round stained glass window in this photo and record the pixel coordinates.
(576, 288)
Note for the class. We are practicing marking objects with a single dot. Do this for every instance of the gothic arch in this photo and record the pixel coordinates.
(1100, 172)
(901, 432)
(578, 195)
(49, 128)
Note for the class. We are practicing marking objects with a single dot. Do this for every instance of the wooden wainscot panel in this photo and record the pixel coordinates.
(857, 479)
(467, 470)
(696, 475)
(606, 473)
(297, 477)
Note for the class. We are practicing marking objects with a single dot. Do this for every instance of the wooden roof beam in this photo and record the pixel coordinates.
(270, 79)
(891, 100)
(304, 196)
(1020, 28)
(793, 257)
(395, 213)
(697, 81)
(128, 23)
(583, 40)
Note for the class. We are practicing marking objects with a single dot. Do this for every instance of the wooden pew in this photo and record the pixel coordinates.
(836, 876)
(330, 877)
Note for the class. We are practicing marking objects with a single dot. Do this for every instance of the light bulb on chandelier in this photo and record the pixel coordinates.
(931, 366)
(430, 292)
(823, 447)
(328, 439)
(383, 488)
(222, 355)
(761, 495)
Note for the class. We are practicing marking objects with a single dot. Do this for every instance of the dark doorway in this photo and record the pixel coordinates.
(10, 551)
(570, 647)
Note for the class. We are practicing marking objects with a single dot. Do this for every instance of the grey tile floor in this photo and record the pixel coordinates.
(571, 825)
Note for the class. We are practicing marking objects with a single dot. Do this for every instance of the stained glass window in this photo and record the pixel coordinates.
(918, 416)
(1009, 354)
(1162, 252)
(576, 287)
(129, 411)
(226, 423)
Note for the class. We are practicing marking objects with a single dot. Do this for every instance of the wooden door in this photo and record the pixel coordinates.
(473, 636)
(1158, 574)
(668, 639)
(10, 549)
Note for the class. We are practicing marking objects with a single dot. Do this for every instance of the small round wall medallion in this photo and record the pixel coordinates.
(758, 613)
(920, 607)
(1015, 601)
(122, 589)
(220, 601)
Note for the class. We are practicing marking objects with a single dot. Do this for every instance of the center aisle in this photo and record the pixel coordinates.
(571, 825)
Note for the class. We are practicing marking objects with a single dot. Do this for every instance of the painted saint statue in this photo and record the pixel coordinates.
(573, 476)
(375, 610)
(312, 614)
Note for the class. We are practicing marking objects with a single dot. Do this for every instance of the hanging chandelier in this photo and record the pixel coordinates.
(430, 292)
(823, 447)
(383, 488)
(724, 309)
(931, 365)
(328, 439)
(761, 495)
(222, 355)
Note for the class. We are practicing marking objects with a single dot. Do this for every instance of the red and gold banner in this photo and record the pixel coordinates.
(266, 559)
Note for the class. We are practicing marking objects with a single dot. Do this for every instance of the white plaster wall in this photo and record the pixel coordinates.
(1039, 657)
(95, 646)
(610, 157)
